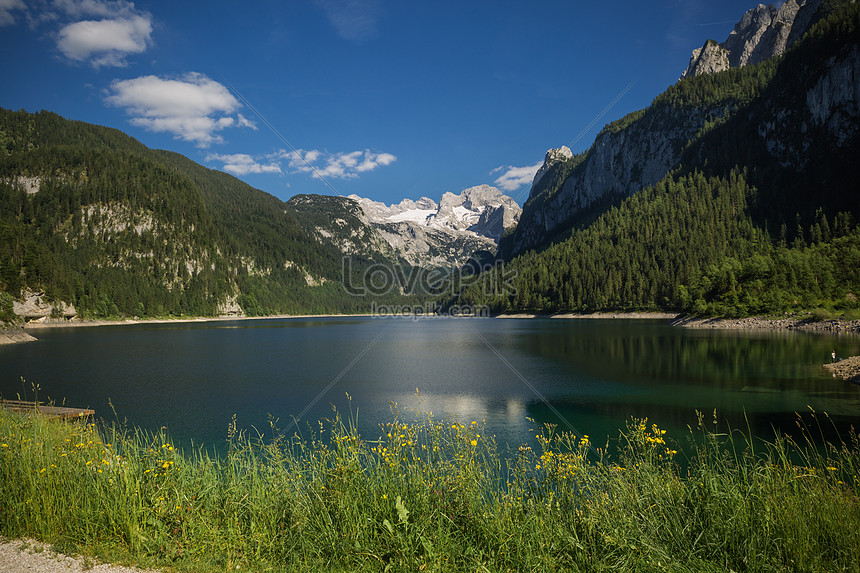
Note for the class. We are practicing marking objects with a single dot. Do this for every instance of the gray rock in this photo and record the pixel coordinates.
(709, 59)
(619, 163)
(832, 104)
(762, 33)
(553, 156)
(448, 233)
(34, 306)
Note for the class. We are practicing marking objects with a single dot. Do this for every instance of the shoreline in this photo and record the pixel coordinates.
(833, 326)
(12, 334)
(848, 369)
(597, 315)
(15, 334)
(125, 321)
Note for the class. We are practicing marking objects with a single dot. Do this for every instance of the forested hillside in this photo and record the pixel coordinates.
(91, 217)
(759, 217)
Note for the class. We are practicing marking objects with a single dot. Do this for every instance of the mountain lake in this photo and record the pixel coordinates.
(587, 375)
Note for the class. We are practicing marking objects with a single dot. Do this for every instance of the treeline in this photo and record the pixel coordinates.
(760, 216)
(685, 244)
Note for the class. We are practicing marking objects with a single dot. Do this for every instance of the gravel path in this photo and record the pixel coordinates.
(28, 556)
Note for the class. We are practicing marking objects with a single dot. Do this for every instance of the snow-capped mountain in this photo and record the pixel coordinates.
(446, 233)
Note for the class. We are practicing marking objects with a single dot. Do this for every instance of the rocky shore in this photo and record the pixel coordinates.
(601, 315)
(13, 335)
(759, 323)
(848, 369)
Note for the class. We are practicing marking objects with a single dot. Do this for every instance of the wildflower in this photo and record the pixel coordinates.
(474, 442)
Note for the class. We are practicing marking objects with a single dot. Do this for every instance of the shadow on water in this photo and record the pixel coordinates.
(758, 382)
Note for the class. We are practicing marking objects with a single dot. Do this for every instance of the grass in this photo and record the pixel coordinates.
(433, 496)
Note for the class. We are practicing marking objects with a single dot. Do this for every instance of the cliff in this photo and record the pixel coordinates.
(763, 32)
(809, 115)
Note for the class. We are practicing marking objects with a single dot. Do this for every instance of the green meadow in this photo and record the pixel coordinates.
(435, 495)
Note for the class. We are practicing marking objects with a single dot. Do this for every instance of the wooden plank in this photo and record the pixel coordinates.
(65, 413)
(55, 412)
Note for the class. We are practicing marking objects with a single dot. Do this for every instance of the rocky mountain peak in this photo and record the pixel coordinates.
(552, 157)
(762, 33)
(447, 233)
(709, 59)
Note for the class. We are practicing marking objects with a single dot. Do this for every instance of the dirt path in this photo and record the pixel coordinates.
(28, 556)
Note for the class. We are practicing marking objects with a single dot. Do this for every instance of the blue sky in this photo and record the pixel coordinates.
(388, 100)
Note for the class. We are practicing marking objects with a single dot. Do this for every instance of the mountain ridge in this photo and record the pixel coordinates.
(444, 234)
(641, 148)
(756, 213)
(92, 219)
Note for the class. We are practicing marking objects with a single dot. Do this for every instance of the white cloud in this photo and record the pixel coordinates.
(515, 177)
(6, 9)
(374, 160)
(192, 108)
(354, 20)
(99, 32)
(341, 165)
(242, 164)
(105, 42)
(95, 8)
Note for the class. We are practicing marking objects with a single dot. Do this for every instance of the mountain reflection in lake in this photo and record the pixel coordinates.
(596, 374)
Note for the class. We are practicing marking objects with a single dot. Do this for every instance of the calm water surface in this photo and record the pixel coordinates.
(192, 378)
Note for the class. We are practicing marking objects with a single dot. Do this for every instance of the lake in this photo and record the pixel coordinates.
(590, 375)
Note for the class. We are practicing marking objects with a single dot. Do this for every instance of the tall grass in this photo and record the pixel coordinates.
(433, 496)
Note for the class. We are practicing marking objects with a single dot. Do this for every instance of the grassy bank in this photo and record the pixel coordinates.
(433, 496)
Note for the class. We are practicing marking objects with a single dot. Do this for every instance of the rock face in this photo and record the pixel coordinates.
(14, 335)
(640, 149)
(36, 308)
(230, 307)
(552, 157)
(448, 233)
(620, 162)
(832, 106)
(709, 59)
(762, 33)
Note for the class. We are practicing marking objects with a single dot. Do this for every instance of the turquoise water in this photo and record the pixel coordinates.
(590, 375)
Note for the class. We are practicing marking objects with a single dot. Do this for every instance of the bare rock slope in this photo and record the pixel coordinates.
(447, 233)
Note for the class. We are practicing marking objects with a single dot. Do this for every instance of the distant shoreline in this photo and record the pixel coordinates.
(833, 326)
(19, 334)
(103, 322)
(599, 315)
